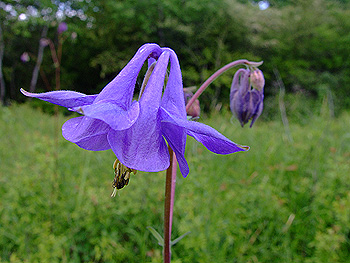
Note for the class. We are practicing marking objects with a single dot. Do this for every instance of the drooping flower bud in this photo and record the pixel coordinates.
(195, 110)
(62, 27)
(246, 103)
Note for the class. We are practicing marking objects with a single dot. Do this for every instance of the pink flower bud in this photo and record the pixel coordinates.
(257, 79)
(195, 109)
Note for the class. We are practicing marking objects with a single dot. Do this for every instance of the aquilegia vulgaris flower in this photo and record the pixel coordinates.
(247, 95)
(138, 131)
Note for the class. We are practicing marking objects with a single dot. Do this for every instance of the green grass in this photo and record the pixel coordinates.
(281, 201)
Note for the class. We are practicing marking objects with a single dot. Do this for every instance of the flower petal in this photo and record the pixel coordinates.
(209, 137)
(173, 99)
(65, 98)
(259, 107)
(151, 97)
(87, 133)
(174, 103)
(215, 141)
(113, 114)
(176, 138)
(257, 113)
(142, 146)
(140, 150)
(121, 88)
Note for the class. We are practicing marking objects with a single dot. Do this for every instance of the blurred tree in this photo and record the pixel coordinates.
(204, 34)
(304, 47)
(310, 53)
(2, 82)
(25, 23)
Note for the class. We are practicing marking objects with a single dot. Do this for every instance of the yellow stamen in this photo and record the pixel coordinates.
(121, 176)
(114, 192)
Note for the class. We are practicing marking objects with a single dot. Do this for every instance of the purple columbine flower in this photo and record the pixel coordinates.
(247, 95)
(138, 131)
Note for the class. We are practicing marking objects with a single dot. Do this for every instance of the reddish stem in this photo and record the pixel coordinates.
(173, 185)
(169, 205)
(170, 182)
(213, 77)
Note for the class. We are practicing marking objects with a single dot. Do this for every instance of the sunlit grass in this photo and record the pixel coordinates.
(281, 201)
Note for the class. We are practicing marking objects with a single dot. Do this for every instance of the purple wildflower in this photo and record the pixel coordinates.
(246, 103)
(62, 27)
(138, 131)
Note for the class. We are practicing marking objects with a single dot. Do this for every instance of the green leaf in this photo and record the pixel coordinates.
(179, 238)
(156, 235)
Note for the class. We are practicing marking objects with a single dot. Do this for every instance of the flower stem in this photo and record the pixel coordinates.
(170, 184)
(217, 74)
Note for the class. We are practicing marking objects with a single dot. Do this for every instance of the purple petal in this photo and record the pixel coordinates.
(176, 137)
(173, 99)
(238, 107)
(259, 107)
(216, 142)
(240, 82)
(151, 97)
(257, 113)
(209, 137)
(255, 98)
(115, 115)
(151, 61)
(142, 146)
(147, 152)
(121, 88)
(87, 133)
(65, 98)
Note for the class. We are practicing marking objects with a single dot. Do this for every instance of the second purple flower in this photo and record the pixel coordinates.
(247, 95)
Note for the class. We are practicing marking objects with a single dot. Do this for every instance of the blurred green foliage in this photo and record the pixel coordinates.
(307, 41)
(278, 202)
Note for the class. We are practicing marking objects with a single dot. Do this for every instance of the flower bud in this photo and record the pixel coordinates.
(194, 110)
(257, 79)
(247, 103)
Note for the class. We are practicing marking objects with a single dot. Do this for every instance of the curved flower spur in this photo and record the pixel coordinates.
(113, 120)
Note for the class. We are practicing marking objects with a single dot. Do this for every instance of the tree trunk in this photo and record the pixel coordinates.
(2, 81)
(38, 61)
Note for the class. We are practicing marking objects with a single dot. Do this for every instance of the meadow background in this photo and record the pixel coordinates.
(285, 200)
